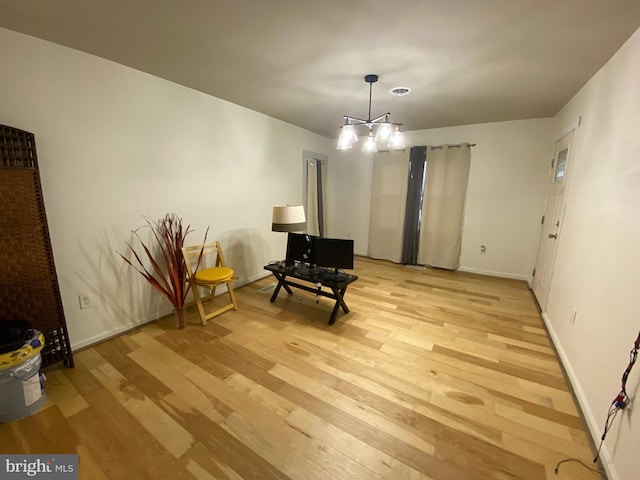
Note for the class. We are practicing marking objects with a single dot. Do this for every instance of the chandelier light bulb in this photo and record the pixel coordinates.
(384, 131)
(344, 143)
(349, 132)
(397, 140)
(369, 146)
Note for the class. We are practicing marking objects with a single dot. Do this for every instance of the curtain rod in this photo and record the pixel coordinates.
(431, 148)
(452, 146)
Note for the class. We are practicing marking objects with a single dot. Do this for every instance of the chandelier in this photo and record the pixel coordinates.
(381, 134)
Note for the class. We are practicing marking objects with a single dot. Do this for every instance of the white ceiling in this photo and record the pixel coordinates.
(302, 61)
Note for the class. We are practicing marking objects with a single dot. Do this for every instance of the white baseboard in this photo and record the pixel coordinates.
(255, 278)
(87, 342)
(594, 428)
(494, 274)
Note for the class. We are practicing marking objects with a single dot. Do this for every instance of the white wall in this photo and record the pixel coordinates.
(115, 144)
(596, 269)
(505, 197)
(349, 197)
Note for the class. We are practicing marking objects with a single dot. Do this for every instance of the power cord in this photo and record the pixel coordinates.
(622, 399)
(619, 403)
(576, 460)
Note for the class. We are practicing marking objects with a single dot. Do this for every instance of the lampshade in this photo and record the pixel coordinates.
(288, 219)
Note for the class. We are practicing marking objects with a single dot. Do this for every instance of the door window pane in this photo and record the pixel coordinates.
(562, 163)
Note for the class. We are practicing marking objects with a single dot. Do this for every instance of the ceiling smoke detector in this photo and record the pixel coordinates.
(400, 91)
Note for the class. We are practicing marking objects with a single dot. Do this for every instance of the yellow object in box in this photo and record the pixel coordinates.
(31, 347)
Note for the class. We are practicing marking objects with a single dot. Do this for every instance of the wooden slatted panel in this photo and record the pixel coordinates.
(28, 283)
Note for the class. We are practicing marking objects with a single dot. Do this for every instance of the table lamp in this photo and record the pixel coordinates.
(289, 218)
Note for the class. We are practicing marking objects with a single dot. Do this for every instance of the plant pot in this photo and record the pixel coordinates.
(179, 317)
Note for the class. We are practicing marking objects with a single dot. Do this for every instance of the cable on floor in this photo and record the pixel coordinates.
(576, 460)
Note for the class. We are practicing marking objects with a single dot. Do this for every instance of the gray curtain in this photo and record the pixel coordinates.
(412, 215)
(320, 198)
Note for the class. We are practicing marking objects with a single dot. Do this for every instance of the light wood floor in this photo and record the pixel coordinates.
(433, 375)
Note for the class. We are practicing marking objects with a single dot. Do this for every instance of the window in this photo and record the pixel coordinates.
(562, 163)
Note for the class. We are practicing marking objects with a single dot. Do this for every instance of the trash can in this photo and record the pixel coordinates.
(21, 386)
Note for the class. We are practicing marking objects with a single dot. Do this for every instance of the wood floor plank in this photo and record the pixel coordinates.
(202, 464)
(377, 461)
(88, 467)
(358, 410)
(144, 446)
(105, 445)
(229, 453)
(404, 452)
(176, 383)
(279, 454)
(9, 442)
(170, 434)
(55, 430)
(28, 436)
(433, 375)
(556, 382)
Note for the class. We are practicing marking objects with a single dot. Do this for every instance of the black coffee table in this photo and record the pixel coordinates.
(336, 282)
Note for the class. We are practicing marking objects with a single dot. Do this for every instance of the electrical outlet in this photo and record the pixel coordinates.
(483, 249)
(574, 314)
(84, 301)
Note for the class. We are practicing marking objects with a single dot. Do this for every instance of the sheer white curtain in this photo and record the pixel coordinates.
(443, 205)
(315, 187)
(388, 201)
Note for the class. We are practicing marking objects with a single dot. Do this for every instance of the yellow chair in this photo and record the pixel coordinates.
(208, 277)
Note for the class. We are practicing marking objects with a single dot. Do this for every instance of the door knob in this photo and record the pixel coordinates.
(553, 235)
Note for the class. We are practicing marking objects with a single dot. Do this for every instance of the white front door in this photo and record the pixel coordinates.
(552, 220)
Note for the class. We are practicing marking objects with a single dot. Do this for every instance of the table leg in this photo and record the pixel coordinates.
(342, 304)
(339, 296)
(281, 283)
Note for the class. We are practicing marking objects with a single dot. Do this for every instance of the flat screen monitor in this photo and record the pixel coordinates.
(333, 253)
(299, 248)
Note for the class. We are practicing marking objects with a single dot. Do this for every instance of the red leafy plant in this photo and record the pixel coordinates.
(167, 275)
